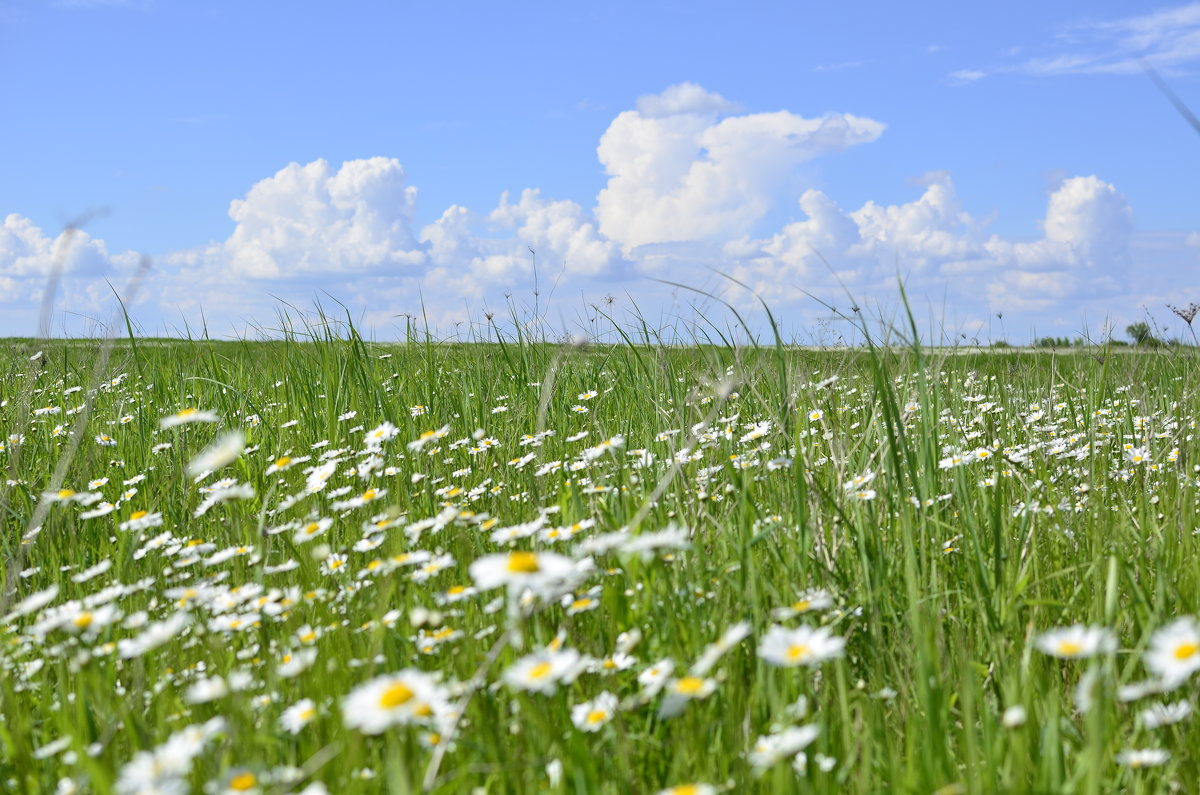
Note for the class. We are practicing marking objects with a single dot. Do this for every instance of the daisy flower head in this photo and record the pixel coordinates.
(285, 462)
(297, 716)
(380, 434)
(803, 645)
(428, 436)
(1076, 642)
(1143, 757)
(186, 416)
(655, 677)
(580, 604)
(812, 600)
(292, 664)
(1137, 455)
(690, 687)
(771, 749)
(335, 563)
(455, 593)
(1158, 715)
(731, 637)
(311, 529)
(541, 671)
(102, 509)
(1174, 653)
(539, 571)
(66, 495)
(141, 520)
(591, 716)
(684, 690)
(241, 782)
(689, 789)
(1014, 717)
(408, 696)
(221, 452)
(617, 661)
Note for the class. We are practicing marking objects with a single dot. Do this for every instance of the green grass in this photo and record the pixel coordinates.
(939, 602)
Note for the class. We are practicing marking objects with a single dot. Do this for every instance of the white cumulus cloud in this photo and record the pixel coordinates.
(1083, 251)
(28, 256)
(679, 172)
(475, 253)
(691, 178)
(27, 251)
(314, 219)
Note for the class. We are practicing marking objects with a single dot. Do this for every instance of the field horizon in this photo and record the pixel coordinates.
(330, 565)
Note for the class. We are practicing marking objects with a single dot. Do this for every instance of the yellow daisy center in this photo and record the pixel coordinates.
(798, 652)
(540, 671)
(395, 696)
(243, 782)
(597, 715)
(689, 685)
(137, 515)
(1069, 647)
(523, 563)
(1186, 651)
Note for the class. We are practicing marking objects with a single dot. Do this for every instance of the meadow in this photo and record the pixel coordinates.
(321, 564)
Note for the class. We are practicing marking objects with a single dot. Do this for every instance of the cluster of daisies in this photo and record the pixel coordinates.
(385, 580)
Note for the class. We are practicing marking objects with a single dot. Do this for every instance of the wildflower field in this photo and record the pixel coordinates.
(328, 565)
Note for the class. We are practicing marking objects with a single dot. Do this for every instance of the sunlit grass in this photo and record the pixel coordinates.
(933, 516)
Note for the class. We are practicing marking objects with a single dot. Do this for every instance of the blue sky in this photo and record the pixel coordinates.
(1011, 159)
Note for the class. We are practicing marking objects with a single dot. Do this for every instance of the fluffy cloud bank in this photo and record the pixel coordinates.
(557, 231)
(679, 172)
(312, 219)
(28, 257)
(1084, 246)
(691, 178)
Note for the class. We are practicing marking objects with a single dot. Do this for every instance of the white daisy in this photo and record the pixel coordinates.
(1174, 653)
(1076, 641)
(541, 671)
(407, 696)
(801, 646)
(591, 716)
(299, 715)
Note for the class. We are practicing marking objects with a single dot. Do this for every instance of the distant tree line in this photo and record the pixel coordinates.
(1141, 334)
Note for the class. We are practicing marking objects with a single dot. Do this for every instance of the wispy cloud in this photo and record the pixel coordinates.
(1167, 39)
(964, 76)
(837, 67)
